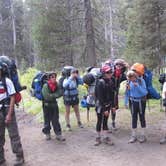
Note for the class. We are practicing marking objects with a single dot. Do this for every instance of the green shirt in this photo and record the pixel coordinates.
(51, 96)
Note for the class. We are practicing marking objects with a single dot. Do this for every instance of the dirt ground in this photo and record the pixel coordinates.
(79, 149)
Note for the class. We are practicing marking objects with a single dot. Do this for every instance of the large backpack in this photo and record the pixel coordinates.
(37, 84)
(90, 79)
(65, 74)
(147, 76)
(162, 78)
(9, 69)
(152, 92)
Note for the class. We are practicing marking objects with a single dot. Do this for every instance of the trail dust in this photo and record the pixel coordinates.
(79, 149)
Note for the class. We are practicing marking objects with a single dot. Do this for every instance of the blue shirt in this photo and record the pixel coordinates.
(138, 90)
(70, 86)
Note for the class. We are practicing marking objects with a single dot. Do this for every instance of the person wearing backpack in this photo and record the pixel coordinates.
(119, 75)
(137, 103)
(70, 96)
(104, 94)
(8, 119)
(51, 91)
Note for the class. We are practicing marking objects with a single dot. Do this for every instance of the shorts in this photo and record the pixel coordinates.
(71, 100)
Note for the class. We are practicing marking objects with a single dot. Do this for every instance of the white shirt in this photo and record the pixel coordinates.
(164, 90)
(10, 89)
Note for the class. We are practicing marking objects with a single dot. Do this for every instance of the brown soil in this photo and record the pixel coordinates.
(79, 149)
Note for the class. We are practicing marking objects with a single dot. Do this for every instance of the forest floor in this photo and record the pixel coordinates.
(79, 149)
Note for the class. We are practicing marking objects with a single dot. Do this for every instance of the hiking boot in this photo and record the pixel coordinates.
(80, 125)
(60, 138)
(48, 137)
(163, 140)
(142, 139)
(132, 139)
(19, 161)
(68, 127)
(108, 141)
(97, 141)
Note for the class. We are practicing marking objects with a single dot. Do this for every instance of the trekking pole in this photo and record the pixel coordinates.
(88, 114)
(23, 105)
(148, 105)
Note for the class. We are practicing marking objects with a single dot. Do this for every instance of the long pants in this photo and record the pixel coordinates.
(13, 134)
(102, 120)
(138, 108)
(51, 115)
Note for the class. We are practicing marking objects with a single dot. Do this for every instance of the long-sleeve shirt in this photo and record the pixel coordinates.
(51, 96)
(70, 86)
(139, 90)
(104, 92)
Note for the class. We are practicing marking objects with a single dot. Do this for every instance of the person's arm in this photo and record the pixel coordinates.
(141, 87)
(67, 82)
(11, 110)
(11, 93)
(100, 92)
(51, 96)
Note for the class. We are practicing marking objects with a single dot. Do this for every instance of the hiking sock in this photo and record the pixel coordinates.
(105, 133)
(98, 134)
(143, 130)
(133, 132)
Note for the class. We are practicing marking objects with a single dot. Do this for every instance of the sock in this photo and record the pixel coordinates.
(143, 131)
(98, 134)
(134, 132)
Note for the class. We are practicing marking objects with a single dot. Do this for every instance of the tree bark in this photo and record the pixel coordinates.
(90, 40)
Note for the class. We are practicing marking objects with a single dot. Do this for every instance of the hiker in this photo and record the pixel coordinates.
(104, 93)
(120, 67)
(137, 103)
(70, 95)
(163, 140)
(51, 92)
(8, 119)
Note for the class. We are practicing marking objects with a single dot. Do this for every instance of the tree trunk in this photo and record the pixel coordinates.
(111, 31)
(90, 40)
(69, 51)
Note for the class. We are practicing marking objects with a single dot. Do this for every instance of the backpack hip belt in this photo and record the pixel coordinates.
(4, 104)
(137, 99)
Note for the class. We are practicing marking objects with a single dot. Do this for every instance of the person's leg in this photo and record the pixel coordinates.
(77, 113)
(56, 124)
(46, 114)
(15, 140)
(113, 112)
(142, 106)
(134, 116)
(98, 128)
(67, 117)
(113, 116)
(2, 137)
(106, 139)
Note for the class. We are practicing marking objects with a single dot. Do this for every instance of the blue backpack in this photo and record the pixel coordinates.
(9, 69)
(152, 92)
(37, 84)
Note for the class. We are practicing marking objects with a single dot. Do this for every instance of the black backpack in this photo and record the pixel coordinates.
(65, 74)
(162, 78)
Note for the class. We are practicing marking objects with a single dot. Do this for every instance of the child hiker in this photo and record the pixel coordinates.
(51, 92)
(104, 93)
(137, 99)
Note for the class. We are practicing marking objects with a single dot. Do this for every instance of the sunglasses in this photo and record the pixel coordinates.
(52, 76)
(109, 72)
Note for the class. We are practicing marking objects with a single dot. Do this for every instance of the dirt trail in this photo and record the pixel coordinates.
(79, 149)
